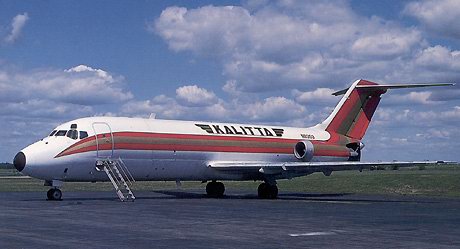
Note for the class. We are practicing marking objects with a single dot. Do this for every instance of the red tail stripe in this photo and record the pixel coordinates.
(365, 118)
(343, 112)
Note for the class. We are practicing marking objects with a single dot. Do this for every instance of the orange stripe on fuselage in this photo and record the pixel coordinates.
(181, 142)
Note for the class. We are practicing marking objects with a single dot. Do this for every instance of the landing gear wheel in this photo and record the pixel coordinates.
(267, 191)
(54, 194)
(215, 189)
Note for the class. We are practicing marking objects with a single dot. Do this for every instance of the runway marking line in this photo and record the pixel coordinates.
(339, 202)
(15, 177)
(311, 234)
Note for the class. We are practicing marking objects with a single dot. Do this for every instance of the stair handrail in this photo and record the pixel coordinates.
(126, 171)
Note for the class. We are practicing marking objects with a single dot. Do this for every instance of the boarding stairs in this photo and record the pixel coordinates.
(119, 175)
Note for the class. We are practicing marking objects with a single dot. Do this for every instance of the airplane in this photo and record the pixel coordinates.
(122, 149)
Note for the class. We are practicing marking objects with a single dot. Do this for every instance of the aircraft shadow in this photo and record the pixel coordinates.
(182, 194)
(317, 197)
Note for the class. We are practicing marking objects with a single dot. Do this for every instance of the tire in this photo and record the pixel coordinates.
(54, 194)
(210, 188)
(273, 190)
(49, 194)
(215, 189)
(220, 189)
(262, 191)
(266, 191)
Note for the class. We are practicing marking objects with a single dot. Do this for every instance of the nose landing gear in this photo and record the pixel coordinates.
(54, 194)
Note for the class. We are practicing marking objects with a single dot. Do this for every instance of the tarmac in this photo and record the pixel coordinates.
(187, 219)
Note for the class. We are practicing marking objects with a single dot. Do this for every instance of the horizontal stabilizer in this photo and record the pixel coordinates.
(391, 86)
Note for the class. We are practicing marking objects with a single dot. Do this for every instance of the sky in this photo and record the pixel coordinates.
(265, 62)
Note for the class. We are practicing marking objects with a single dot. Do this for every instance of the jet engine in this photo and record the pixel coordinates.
(303, 150)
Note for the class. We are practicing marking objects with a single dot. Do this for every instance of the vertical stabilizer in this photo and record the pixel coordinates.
(353, 113)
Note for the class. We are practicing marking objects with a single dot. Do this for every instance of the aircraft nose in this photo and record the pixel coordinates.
(19, 161)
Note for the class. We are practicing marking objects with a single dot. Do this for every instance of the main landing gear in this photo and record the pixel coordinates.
(267, 191)
(215, 189)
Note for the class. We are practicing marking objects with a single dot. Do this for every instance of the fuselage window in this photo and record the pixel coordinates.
(53, 132)
(72, 134)
(83, 134)
(60, 133)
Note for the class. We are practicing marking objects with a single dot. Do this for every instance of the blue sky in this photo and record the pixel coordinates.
(271, 62)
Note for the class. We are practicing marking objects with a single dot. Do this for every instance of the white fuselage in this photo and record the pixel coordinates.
(166, 150)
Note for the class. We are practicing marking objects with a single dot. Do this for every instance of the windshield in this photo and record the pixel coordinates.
(73, 134)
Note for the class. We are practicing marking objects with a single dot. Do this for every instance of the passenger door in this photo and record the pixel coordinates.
(104, 140)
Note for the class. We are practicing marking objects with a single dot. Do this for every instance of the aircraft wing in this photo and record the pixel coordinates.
(272, 168)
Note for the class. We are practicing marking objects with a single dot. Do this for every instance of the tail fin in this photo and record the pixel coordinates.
(354, 112)
(352, 115)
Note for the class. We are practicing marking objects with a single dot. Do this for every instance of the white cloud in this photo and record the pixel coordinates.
(17, 24)
(426, 134)
(439, 58)
(439, 16)
(230, 87)
(274, 109)
(99, 72)
(436, 133)
(392, 117)
(161, 105)
(452, 114)
(419, 97)
(44, 109)
(319, 95)
(193, 103)
(79, 85)
(288, 44)
(389, 43)
(195, 96)
(197, 30)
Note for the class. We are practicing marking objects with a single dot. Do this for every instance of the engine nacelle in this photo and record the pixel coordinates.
(303, 150)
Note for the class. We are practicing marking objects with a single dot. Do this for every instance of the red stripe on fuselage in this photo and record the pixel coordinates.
(205, 137)
(205, 148)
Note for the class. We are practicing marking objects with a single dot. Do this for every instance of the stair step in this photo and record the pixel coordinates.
(119, 175)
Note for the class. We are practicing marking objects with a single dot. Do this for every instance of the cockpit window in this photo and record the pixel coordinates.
(72, 134)
(60, 133)
(83, 134)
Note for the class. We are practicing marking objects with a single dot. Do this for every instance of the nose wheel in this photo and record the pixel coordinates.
(54, 194)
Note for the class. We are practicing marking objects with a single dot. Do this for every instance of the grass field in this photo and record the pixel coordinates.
(441, 181)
